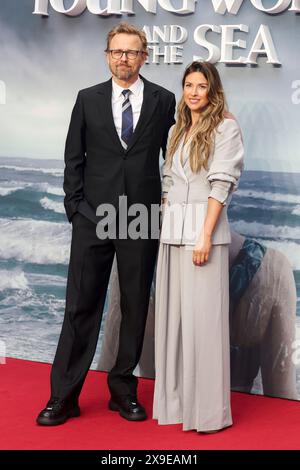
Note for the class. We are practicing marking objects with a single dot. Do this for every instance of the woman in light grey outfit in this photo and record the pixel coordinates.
(203, 166)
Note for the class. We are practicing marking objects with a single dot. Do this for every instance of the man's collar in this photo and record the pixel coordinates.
(135, 88)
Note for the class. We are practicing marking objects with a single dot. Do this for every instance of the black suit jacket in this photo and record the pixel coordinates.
(97, 168)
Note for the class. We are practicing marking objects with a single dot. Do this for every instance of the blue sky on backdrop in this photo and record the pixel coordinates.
(45, 61)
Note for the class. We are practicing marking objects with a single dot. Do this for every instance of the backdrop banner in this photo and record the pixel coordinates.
(49, 50)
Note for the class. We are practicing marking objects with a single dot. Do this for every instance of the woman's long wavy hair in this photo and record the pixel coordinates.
(202, 137)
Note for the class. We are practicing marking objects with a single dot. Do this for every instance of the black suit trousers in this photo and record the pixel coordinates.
(88, 276)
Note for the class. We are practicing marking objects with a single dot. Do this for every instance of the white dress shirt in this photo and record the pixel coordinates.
(135, 98)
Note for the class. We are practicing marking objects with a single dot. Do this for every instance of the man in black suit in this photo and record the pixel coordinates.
(112, 150)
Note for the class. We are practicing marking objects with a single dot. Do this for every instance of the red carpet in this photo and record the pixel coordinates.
(259, 422)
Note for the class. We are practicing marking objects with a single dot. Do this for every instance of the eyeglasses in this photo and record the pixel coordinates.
(118, 53)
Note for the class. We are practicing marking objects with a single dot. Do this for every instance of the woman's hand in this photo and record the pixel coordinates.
(202, 250)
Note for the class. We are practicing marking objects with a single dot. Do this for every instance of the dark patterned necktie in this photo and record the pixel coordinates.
(127, 119)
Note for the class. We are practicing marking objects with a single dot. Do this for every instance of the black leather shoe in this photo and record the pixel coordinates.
(128, 407)
(57, 412)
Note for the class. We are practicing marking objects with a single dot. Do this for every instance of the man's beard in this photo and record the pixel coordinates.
(124, 74)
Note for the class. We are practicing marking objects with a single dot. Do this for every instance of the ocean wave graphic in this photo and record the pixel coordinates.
(257, 229)
(13, 279)
(35, 241)
(296, 210)
(268, 196)
(9, 187)
(51, 205)
(51, 171)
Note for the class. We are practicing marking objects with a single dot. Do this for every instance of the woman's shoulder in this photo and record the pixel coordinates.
(229, 123)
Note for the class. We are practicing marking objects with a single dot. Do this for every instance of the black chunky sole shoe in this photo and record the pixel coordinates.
(57, 412)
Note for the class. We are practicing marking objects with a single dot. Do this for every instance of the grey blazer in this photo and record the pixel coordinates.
(187, 193)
